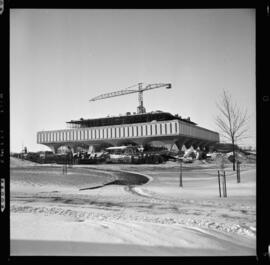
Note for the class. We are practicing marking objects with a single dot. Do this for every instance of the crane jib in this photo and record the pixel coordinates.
(129, 91)
(114, 94)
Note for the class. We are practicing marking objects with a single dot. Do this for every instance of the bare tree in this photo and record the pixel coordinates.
(232, 122)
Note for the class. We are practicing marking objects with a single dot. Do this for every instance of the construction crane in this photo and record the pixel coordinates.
(140, 109)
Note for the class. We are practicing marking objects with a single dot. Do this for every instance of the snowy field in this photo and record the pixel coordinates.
(51, 215)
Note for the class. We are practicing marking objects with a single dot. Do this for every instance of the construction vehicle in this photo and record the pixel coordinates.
(132, 155)
(93, 158)
(140, 109)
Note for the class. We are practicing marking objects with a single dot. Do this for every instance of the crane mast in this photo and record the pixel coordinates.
(140, 109)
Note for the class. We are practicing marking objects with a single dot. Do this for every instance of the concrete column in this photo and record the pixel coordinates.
(72, 149)
(196, 144)
(140, 141)
(205, 148)
(209, 148)
(91, 149)
(180, 143)
(207, 144)
(172, 146)
(202, 146)
(189, 151)
(188, 144)
(52, 147)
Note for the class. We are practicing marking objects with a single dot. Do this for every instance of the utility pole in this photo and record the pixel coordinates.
(181, 174)
(219, 184)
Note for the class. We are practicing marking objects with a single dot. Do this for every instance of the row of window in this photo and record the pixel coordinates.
(105, 133)
(126, 132)
(197, 132)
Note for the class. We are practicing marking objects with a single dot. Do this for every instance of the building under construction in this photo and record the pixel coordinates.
(141, 128)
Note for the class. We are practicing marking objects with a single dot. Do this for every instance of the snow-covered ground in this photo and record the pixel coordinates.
(50, 215)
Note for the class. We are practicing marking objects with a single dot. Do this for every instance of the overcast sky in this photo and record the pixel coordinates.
(59, 59)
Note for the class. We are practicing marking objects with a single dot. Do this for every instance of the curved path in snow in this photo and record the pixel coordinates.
(57, 214)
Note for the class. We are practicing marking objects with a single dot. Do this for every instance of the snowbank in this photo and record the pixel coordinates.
(51, 216)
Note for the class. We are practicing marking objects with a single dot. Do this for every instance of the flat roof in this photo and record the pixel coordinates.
(128, 118)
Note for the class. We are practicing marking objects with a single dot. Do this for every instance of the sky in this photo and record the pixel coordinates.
(61, 58)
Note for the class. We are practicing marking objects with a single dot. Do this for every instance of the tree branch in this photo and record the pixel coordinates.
(232, 121)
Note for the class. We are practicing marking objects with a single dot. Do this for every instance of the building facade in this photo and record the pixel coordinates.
(171, 131)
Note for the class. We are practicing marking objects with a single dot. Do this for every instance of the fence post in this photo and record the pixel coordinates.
(219, 184)
(181, 175)
(64, 169)
(237, 172)
(225, 187)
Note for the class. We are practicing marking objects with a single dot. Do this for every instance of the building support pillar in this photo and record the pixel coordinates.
(188, 144)
(53, 147)
(180, 143)
(91, 149)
